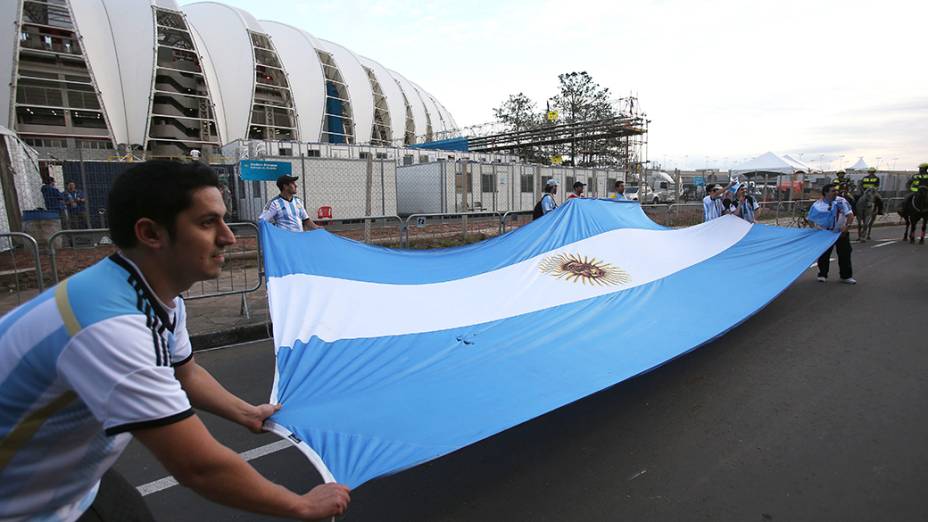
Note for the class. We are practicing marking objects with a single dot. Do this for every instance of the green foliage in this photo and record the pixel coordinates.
(578, 99)
(518, 113)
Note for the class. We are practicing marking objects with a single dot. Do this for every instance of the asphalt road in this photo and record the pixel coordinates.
(814, 409)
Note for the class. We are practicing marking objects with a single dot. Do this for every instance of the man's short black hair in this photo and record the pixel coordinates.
(158, 190)
(828, 187)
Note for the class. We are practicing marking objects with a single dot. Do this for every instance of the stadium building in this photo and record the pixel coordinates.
(147, 77)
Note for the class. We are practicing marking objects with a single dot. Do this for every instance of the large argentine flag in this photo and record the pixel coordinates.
(389, 358)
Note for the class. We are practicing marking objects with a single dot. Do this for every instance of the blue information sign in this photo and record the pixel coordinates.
(699, 181)
(258, 170)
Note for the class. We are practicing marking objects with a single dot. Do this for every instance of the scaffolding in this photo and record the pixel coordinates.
(619, 140)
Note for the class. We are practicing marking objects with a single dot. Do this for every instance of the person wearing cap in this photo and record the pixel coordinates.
(286, 211)
(620, 190)
(712, 206)
(746, 206)
(546, 203)
(578, 190)
(871, 180)
(842, 183)
(920, 179)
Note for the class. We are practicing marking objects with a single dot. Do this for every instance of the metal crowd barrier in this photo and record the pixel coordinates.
(404, 231)
(229, 278)
(367, 221)
(87, 238)
(229, 282)
(504, 220)
(18, 272)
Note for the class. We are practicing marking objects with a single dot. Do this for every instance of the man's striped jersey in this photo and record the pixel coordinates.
(81, 366)
(288, 215)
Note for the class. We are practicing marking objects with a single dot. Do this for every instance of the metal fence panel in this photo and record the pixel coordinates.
(20, 270)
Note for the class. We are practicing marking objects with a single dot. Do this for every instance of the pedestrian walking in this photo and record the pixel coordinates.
(833, 213)
(546, 203)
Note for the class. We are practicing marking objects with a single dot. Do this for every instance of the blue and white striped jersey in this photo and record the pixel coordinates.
(547, 203)
(711, 208)
(81, 366)
(288, 215)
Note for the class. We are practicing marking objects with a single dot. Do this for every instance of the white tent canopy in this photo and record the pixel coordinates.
(805, 166)
(773, 163)
(860, 165)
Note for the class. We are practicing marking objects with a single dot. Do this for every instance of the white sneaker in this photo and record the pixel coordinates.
(849, 281)
(821, 279)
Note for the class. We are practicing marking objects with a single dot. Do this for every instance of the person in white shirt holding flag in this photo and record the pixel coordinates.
(286, 211)
(620, 190)
(834, 213)
(712, 206)
(104, 356)
(746, 206)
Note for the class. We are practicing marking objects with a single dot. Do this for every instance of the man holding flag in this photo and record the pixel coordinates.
(833, 213)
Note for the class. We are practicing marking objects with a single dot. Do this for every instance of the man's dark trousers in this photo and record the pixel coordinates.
(843, 245)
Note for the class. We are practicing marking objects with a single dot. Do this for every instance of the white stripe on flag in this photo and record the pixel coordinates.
(305, 305)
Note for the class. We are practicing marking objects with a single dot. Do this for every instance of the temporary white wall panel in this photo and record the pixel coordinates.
(359, 87)
(415, 102)
(394, 98)
(307, 82)
(224, 30)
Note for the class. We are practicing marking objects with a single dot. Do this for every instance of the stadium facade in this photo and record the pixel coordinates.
(150, 77)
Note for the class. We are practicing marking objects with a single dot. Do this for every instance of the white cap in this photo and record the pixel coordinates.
(551, 183)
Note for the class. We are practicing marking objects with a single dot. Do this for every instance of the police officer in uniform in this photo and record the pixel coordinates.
(871, 180)
(920, 179)
(842, 183)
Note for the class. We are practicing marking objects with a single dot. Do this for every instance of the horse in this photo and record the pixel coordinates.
(915, 208)
(866, 213)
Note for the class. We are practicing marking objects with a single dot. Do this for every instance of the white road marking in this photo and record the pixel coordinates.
(169, 482)
(888, 242)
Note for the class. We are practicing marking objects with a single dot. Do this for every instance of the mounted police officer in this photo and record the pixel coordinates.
(871, 180)
(920, 179)
(842, 183)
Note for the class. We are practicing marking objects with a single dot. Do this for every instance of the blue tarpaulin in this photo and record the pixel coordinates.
(390, 358)
(459, 144)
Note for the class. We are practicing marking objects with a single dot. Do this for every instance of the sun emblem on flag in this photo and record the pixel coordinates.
(574, 267)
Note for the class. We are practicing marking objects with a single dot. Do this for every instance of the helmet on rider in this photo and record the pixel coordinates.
(872, 170)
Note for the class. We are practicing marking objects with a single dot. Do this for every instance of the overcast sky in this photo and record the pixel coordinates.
(721, 81)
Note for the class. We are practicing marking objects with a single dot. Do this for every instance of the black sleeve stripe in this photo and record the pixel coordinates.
(185, 361)
(133, 426)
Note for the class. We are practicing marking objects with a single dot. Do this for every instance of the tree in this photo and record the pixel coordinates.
(518, 113)
(582, 99)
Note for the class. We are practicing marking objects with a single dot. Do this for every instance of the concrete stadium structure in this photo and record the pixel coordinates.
(149, 77)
